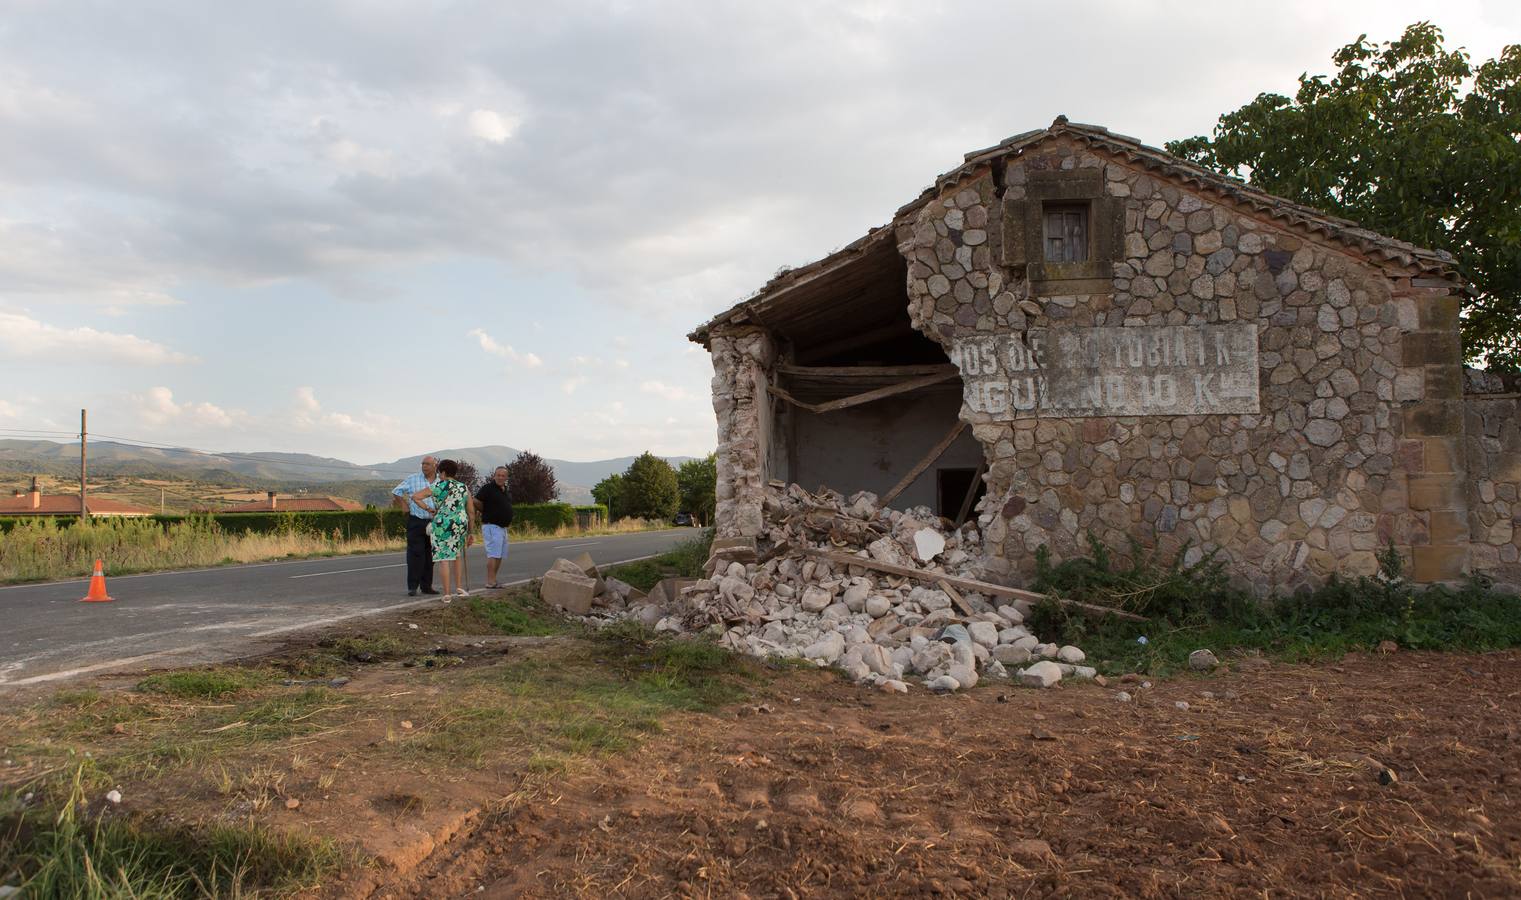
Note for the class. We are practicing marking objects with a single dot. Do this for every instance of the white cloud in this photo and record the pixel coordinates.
(306, 400)
(23, 337)
(492, 346)
(490, 125)
(570, 384)
(157, 407)
(310, 416)
(674, 393)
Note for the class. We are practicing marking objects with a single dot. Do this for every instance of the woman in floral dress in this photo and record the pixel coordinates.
(451, 525)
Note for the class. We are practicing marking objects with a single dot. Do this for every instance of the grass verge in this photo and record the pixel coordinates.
(89, 852)
(1194, 606)
(684, 560)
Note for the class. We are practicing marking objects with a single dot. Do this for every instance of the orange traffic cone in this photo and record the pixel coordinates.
(97, 592)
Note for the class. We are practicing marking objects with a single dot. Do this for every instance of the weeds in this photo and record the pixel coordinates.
(685, 560)
(86, 851)
(1195, 606)
(207, 684)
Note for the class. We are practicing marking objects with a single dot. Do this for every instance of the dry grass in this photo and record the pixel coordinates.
(38, 550)
(622, 526)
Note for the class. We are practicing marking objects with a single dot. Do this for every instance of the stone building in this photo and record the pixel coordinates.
(1073, 333)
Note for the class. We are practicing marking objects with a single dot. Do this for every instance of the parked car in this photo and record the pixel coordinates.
(683, 518)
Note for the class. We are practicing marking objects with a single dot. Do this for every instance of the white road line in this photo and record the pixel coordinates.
(83, 579)
(565, 546)
(346, 571)
(309, 623)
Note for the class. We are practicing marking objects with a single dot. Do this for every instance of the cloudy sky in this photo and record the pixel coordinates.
(370, 229)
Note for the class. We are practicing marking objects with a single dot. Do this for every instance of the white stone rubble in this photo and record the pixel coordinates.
(880, 629)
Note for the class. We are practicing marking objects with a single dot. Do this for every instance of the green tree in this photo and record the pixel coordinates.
(697, 480)
(609, 493)
(1409, 139)
(649, 488)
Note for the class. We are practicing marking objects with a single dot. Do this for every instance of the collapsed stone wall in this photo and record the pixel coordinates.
(1493, 410)
(1356, 440)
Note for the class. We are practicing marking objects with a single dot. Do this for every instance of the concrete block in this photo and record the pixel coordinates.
(1448, 526)
(1434, 417)
(1439, 313)
(1435, 492)
(1438, 562)
(667, 590)
(1424, 348)
(572, 593)
(1441, 455)
(727, 550)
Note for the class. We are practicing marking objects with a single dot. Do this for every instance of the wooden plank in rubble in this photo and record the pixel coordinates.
(965, 584)
(935, 453)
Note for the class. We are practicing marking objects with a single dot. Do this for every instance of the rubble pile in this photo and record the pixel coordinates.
(845, 582)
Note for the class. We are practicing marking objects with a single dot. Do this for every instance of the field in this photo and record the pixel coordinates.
(491, 748)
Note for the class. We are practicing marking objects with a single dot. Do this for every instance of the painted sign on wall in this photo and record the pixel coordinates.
(1146, 370)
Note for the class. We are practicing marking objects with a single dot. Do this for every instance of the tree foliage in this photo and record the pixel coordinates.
(531, 480)
(697, 480)
(649, 488)
(468, 475)
(609, 493)
(1408, 139)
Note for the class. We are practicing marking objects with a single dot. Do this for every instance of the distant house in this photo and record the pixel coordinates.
(34, 503)
(274, 503)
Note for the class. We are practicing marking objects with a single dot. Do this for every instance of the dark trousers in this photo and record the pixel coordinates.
(419, 555)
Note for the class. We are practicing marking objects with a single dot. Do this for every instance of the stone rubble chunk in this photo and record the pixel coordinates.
(1202, 661)
(928, 543)
(1043, 674)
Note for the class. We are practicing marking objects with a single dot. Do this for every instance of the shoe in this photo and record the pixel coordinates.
(430, 591)
(461, 593)
(493, 586)
(411, 592)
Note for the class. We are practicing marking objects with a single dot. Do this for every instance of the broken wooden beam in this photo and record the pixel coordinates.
(965, 584)
(971, 493)
(957, 600)
(935, 453)
(891, 390)
(847, 372)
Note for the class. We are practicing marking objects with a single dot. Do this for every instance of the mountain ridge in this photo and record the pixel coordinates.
(54, 457)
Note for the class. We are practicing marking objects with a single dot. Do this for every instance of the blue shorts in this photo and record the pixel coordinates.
(495, 539)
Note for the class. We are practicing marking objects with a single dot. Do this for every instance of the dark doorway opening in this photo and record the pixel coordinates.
(952, 486)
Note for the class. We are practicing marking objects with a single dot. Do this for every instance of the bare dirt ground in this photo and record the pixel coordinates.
(1267, 784)
(541, 767)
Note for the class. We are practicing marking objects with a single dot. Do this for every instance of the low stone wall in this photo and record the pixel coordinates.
(1492, 410)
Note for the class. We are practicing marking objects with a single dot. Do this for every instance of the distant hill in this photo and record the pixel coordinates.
(261, 468)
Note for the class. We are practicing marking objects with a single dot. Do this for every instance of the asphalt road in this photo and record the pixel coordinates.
(206, 615)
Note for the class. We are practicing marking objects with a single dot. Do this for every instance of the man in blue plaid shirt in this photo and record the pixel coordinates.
(419, 547)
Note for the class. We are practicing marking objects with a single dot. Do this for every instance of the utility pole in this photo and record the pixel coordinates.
(84, 510)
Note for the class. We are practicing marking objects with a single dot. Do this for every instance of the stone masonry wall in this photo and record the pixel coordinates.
(742, 359)
(1493, 408)
(1359, 436)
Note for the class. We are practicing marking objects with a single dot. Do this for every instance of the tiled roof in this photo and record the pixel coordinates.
(1379, 248)
(295, 504)
(67, 505)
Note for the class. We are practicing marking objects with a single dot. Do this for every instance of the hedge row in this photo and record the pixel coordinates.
(543, 516)
(392, 521)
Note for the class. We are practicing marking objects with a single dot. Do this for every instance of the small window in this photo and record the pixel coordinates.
(1066, 233)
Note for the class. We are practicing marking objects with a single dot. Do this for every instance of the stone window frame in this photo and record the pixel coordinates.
(1024, 233)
